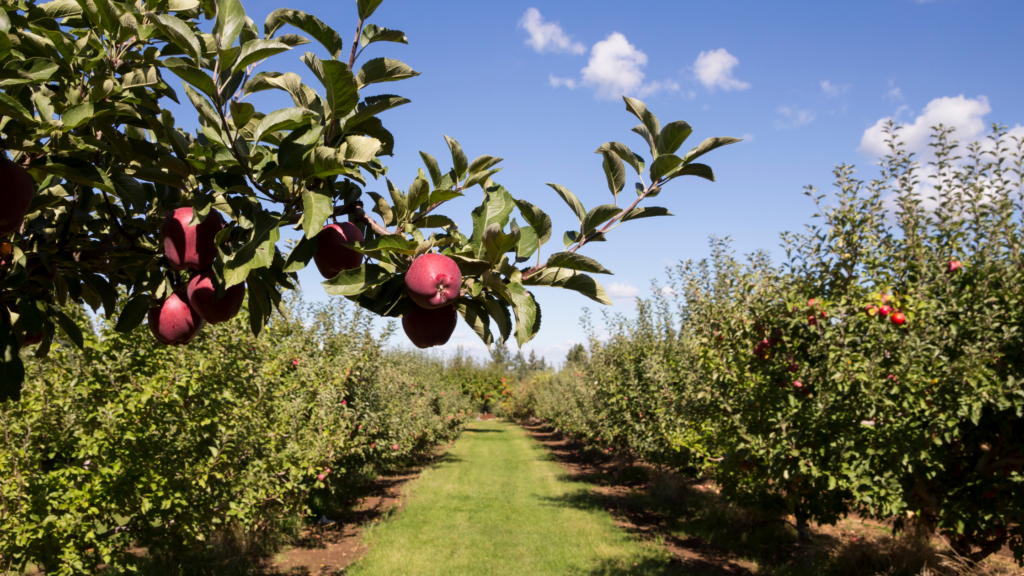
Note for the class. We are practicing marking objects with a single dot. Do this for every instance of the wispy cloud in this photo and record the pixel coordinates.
(714, 70)
(622, 290)
(793, 117)
(548, 36)
(832, 90)
(557, 82)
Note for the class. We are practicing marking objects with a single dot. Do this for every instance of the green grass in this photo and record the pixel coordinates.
(497, 505)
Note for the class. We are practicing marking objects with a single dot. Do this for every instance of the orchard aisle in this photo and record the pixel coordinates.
(499, 505)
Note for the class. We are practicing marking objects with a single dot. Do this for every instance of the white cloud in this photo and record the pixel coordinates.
(548, 36)
(668, 291)
(832, 90)
(622, 290)
(616, 68)
(558, 82)
(793, 117)
(459, 335)
(966, 114)
(894, 93)
(714, 70)
(748, 137)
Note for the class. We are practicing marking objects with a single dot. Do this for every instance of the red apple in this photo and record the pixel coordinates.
(811, 320)
(174, 321)
(428, 327)
(331, 255)
(16, 191)
(898, 318)
(798, 385)
(190, 246)
(884, 310)
(433, 281)
(202, 298)
(953, 266)
(871, 310)
(320, 477)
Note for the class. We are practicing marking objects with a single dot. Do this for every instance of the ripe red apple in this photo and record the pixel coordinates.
(811, 302)
(433, 281)
(174, 321)
(428, 327)
(794, 367)
(320, 477)
(811, 320)
(331, 256)
(953, 266)
(202, 296)
(16, 191)
(190, 246)
(798, 385)
(898, 318)
(884, 310)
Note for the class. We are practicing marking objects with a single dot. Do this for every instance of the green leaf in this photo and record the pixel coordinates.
(133, 313)
(372, 106)
(11, 107)
(432, 168)
(241, 113)
(189, 73)
(419, 192)
(707, 146)
(383, 70)
(284, 119)
(367, 8)
(300, 255)
(650, 121)
(178, 33)
(12, 369)
(434, 221)
(536, 217)
(258, 252)
(696, 169)
(499, 312)
(480, 178)
(483, 163)
(255, 50)
(71, 330)
(206, 110)
(528, 244)
(399, 203)
(459, 161)
(373, 33)
(497, 243)
(359, 149)
(356, 281)
(476, 316)
(571, 200)
(229, 22)
(527, 313)
(598, 216)
(614, 172)
(647, 212)
(309, 24)
(672, 136)
(573, 261)
(340, 86)
(664, 165)
(470, 266)
(259, 307)
(570, 280)
(78, 115)
(317, 207)
(382, 208)
(495, 209)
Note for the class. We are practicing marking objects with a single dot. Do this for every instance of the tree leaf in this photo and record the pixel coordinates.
(598, 216)
(340, 86)
(373, 33)
(359, 149)
(696, 169)
(432, 168)
(383, 70)
(672, 136)
(528, 244)
(193, 75)
(367, 8)
(497, 243)
(614, 172)
(301, 255)
(527, 313)
(707, 146)
(499, 312)
(664, 165)
(12, 369)
(476, 316)
(647, 212)
(133, 313)
(317, 207)
(434, 221)
(71, 330)
(459, 161)
(570, 280)
(650, 121)
(571, 200)
(573, 261)
(356, 281)
(309, 24)
(255, 50)
(370, 107)
(537, 219)
(284, 119)
(178, 33)
(229, 22)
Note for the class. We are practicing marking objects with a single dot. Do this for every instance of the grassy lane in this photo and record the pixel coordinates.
(499, 505)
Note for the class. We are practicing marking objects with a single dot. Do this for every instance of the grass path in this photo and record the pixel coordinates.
(498, 505)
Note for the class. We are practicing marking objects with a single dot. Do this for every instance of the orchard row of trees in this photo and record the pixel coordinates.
(878, 370)
(125, 442)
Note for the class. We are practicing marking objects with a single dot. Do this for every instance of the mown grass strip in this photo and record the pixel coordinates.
(496, 505)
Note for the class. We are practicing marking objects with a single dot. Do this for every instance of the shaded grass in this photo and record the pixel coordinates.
(505, 508)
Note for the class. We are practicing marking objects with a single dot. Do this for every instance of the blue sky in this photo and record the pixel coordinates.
(804, 83)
